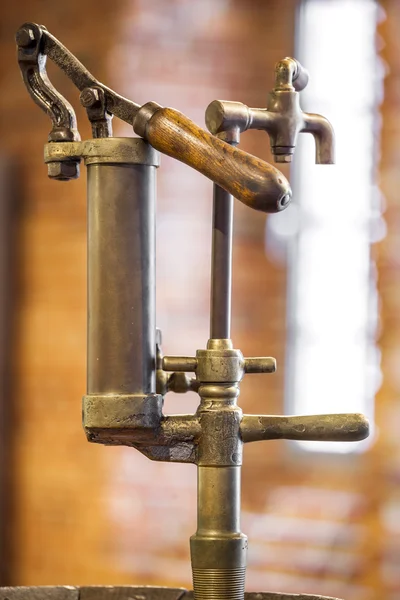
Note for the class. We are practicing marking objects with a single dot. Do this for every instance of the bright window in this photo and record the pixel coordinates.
(333, 360)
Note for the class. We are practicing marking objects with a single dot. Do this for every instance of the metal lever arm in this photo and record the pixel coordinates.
(317, 428)
(254, 182)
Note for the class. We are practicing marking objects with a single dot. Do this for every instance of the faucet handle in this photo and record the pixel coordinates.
(351, 427)
(289, 74)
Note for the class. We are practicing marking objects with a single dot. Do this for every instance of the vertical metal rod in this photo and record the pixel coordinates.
(218, 548)
(121, 279)
(218, 493)
(221, 265)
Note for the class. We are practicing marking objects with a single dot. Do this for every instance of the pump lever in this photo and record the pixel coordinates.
(253, 181)
(256, 183)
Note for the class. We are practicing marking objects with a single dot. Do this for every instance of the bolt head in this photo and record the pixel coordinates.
(63, 171)
(25, 37)
(89, 96)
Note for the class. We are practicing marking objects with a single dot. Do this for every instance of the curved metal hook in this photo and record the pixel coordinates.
(32, 62)
(35, 44)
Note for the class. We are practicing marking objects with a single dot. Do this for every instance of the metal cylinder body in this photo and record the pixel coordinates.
(121, 273)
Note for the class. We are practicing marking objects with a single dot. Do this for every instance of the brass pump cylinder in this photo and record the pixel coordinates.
(121, 269)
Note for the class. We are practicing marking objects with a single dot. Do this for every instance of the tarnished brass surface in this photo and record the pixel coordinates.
(105, 150)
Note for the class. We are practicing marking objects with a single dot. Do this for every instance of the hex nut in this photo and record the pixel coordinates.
(63, 170)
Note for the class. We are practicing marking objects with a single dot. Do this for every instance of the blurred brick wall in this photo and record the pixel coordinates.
(86, 514)
(80, 510)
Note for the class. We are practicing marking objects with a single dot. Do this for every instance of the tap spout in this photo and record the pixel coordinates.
(324, 136)
(282, 119)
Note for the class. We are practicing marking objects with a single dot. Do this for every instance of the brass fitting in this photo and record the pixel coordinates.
(213, 439)
(282, 119)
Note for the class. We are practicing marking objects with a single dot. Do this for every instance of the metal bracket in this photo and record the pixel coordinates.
(35, 44)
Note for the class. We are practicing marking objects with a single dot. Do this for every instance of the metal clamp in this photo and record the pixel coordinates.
(94, 100)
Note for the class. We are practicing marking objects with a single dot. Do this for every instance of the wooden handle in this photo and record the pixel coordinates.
(249, 179)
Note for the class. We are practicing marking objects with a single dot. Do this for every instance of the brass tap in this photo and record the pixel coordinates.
(282, 119)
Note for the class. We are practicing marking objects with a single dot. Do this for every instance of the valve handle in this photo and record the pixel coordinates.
(350, 427)
(187, 364)
(300, 77)
(256, 183)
